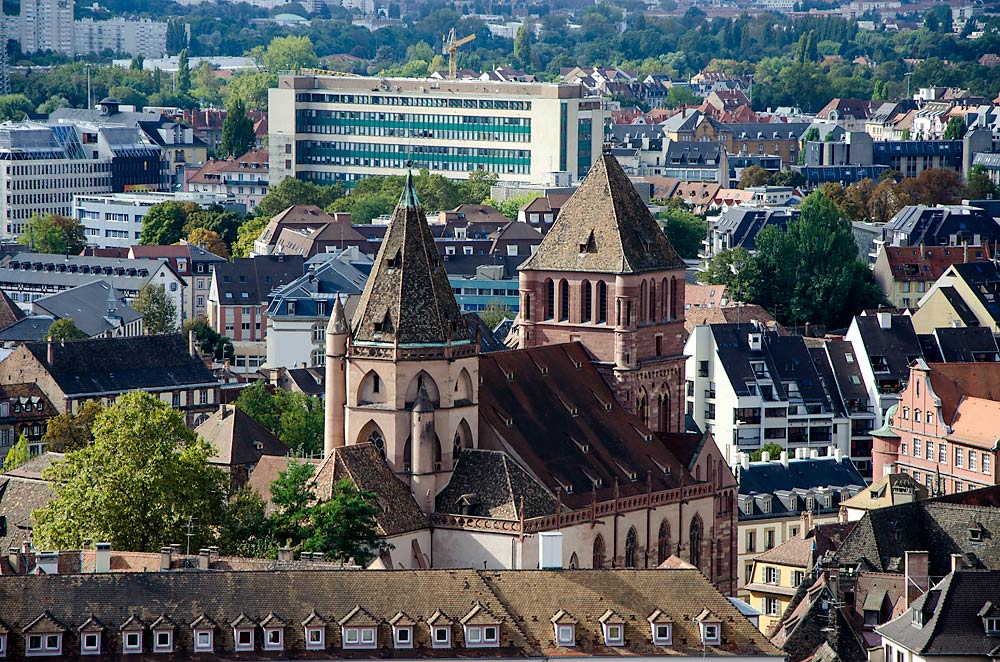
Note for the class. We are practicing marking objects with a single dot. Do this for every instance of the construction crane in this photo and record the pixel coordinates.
(449, 47)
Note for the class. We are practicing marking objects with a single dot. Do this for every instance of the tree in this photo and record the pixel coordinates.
(292, 191)
(787, 178)
(248, 233)
(955, 129)
(53, 233)
(736, 269)
(15, 107)
(753, 176)
(69, 431)
(18, 454)
(345, 527)
(979, 185)
(238, 136)
(292, 495)
(53, 103)
(495, 312)
(251, 89)
(163, 224)
(183, 73)
(772, 449)
(511, 206)
(685, 231)
(522, 46)
(245, 529)
(177, 38)
(138, 486)
(934, 186)
(295, 418)
(66, 329)
(210, 241)
(209, 341)
(477, 187)
(159, 312)
(223, 222)
(289, 53)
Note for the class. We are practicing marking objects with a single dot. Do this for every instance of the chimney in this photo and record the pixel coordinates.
(813, 453)
(102, 557)
(806, 524)
(884, 320)
(166, 554)
(223, 410)
(745, 461)
(550, 550)
(765, 456)
(838, 455)
(204, 559)
(50, 351)
(192, 349)
(176, 547)
(25, 548)
(784, 459)
(957, 562)
(14, 558)
(286, 554)
(47, 562)
(917, 579)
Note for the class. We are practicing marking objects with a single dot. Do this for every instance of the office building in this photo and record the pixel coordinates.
(325, 128)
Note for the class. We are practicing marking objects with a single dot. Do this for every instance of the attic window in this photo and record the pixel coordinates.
(992, 625)
(590, 245)
(566, 634)
(976, 533)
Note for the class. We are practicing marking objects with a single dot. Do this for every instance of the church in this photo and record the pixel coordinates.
(579, 430)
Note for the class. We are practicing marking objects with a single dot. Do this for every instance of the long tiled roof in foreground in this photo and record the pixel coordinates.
(521, 604)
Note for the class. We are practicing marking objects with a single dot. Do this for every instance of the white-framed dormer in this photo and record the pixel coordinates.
(244, 633)
(564, 629)
(613, 627)
(203, 633)
(661, 628)
(3, 639)
(440, 630)
(359, 629)
(163, 634)
(481, 628)
(43, 637)
(274, 632)
(990, 613)
(402, 630)
(314, 631)
(709, 628)
(131, 632)
(91, 636)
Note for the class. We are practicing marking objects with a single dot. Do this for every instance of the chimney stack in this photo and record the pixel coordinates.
(50, 351)
(884, 319)
(838, 455)
(14, 558)
(957, 562)
(166, 554)
(765, 456)
(745, 461)
(102, 557)
(204, 558)
(192, 349)
(916, 575)
(784, 459)
(286, 554)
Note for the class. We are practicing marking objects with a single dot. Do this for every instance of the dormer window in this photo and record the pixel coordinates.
(566, 634)
(274, 639)
(482, 635)
(441, 637)
(613, 626)
(661, 629)
(45, 644)
(163, 635)
(359, 637)
(3, 645)
(315, 638)
(993, 625)
(710, 634)
(203, 641)
(402, 636)
(918, 618)
(243, 638)
(90, 643)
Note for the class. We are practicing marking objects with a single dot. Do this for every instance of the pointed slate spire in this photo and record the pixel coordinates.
(338, 320)
(408, 299)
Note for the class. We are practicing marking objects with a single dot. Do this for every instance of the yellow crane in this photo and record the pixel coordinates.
(449, 47)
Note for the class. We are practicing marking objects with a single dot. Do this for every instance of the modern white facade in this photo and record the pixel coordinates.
(120, 35)
(328, 128)
(114, 220)
(750, 387)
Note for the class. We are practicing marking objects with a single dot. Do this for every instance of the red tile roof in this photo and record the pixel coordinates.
(910, 263)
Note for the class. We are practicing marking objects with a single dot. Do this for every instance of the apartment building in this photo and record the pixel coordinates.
(193, 264)
(326, 128)
(47, 25)
(244, 179)
(125, 36)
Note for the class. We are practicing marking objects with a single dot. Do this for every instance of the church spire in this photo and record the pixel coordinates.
(408, 298)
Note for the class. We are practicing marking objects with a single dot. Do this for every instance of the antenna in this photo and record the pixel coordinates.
(189, 534)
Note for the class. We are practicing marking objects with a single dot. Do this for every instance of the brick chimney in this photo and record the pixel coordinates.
(917, 578)
(286, 554)
(806, 522)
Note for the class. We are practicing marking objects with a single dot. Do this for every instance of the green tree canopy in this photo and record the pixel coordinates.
(69, 431)
(164, 222)
(15, 107)
(684, 229)
(295, 418)
(183, 73)
(289, 53)
(210, 342)
(292, 191)
(954, 129)
(137, 486)
(18, 454)
(238, 136)
(773, 450)
(66, 329)
(251, 88)
(753, 176)
(979, 185)
(735, 268)
(159, 312)
(53, 233)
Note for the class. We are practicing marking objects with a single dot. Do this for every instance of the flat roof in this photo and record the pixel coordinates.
(431, 86)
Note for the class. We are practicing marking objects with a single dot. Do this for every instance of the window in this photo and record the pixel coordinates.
(482, 635)
(973, 464)
(274, 639)
(243, 639)
(916, 447)
(403, 636)
(355, 637)
(163, 641)
(45, 644)
(942, 453)
(959, 487)
(203, 640)
(132, 642)
(90, 643)
(769, 538)
(797, 577)
(930, 417)
(772, 607)
(751, 545)
(442, 636)
(772, 575)
(613, 635)
(662, 634)
(711, 634)
(986, 463)
(315, 638)
(959, 457)
(902, 449)
(992, 625)
(566, 634)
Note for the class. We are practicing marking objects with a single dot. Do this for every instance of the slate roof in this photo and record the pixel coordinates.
(983, 278)
(886, 491)
(408, 299)
(552, 411)
(898, 345)
(367, 469)
(31, 328)
(237, 438)
(966, 344)
(933, 226)
(250, 280)
(19, 497)
(763, 477)
(743, 223)
(605, 227)
(491, 484)
(116, 365)
(953, 624)
(95, 308)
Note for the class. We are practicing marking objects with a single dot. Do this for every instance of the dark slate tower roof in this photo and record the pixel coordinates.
(408, 299)
(605, 227)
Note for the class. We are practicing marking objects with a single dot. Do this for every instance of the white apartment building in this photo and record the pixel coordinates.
(120, 35)
(749, 387)
(328, 128)
(114, 220)
(47, 25)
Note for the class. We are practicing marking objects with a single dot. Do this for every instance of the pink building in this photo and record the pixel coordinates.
(944, 432)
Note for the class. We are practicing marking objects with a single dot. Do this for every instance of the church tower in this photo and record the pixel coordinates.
(412, 371)
(605, 275)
